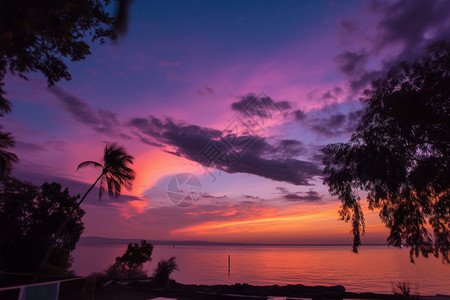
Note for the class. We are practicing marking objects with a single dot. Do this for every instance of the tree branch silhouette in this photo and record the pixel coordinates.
(400, 155)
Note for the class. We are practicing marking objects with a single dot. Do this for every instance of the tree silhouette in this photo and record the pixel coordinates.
(28, 216)
(163, 270)
(115, 173)
(42, 35)
(130, 265)
(6, 158)
(400, 155)
(38, 36)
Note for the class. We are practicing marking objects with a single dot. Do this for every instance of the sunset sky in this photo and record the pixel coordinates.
(189, 72)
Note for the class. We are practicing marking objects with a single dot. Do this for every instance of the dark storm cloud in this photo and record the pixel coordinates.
(318, 156)
(187, 140)
(331, 95)
(359, 83)
(251, 197)
(351, 63)
(273, 161)
(353, 119)
(102, 121)
(209, 196)
(261, 106)
(333, 119)
(349, 28)
(299, 115)
(310, 196)
(327, 97)
(336, 124)
(289, 170)
(204, 91)
(283, 190)
(408, 25)
(329, 126)
(288, 148)
(414, 23)
(125, 136)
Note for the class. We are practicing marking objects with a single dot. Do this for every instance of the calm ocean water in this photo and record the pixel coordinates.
(374, 269)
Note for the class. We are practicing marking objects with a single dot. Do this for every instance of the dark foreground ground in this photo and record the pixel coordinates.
(237, 292)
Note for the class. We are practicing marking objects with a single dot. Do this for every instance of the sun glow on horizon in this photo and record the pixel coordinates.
(307, 221)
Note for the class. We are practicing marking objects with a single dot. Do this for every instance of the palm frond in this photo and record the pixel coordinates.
(6, 158)
(5, 105)
(109, 182)
(89, 163)
(6, 161)
(116, 171)
(6, 139)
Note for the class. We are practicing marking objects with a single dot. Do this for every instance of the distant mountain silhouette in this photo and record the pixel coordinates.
(102, 240)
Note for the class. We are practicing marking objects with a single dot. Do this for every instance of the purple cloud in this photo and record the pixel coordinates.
(408, 26)
(310, 196)
(102, 121)
(261, 106)
(276, 162)
(204, 91)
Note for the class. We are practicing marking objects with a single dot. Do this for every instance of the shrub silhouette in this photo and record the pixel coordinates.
(403, 291)
(28, 216)
(130, 264)
(163, 270)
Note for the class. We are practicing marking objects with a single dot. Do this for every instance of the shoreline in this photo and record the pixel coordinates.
(137, 290)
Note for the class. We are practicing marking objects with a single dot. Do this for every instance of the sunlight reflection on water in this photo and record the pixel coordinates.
(374, 269)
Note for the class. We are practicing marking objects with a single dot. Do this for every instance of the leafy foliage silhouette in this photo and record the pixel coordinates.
(115, 171)
(403, 291)
(28, 216)
(41, 35)
(400, 155)
(130, 264)
(38, 36)
(163, 270)
(6, 158)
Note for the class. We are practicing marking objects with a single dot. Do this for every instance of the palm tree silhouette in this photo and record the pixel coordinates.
(115, 173)
(6, 158)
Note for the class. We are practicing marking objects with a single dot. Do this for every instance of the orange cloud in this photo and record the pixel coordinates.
(138, 205)
(307, 222)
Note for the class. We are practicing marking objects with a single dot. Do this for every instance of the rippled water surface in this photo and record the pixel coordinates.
(374, 269)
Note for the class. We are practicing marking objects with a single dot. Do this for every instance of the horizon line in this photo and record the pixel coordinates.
(106, 240)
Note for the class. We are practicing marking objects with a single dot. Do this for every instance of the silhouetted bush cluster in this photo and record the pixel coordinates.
(130, 265)
(162, 272)
(403, 291)
(28, 217)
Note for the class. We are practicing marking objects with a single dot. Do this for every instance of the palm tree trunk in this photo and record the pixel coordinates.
(56, 235)
(92, 186)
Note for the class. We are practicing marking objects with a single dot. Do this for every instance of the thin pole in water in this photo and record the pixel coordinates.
(228, 265)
